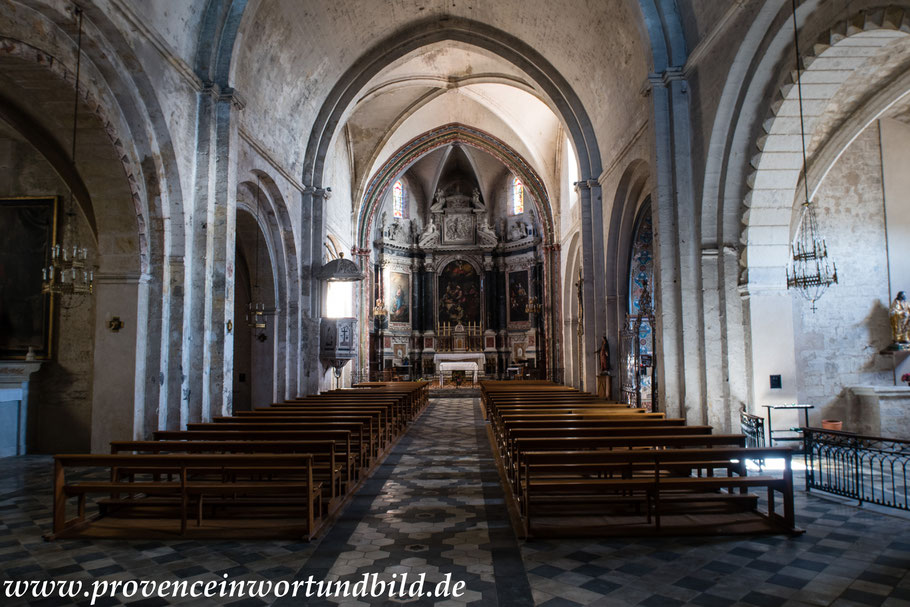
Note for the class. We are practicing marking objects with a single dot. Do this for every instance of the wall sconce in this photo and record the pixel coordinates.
(230, 326)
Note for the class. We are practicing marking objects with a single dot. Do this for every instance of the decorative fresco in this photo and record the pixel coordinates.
(25, 313)
(459, 294)
(518, 296)
(399, 297)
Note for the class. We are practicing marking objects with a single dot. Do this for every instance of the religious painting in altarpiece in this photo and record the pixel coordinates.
(400, 298)
(518, 297)
(29, 231)
(459, 294)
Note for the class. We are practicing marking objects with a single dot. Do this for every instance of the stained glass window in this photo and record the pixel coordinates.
(518, 197)
(398, 201)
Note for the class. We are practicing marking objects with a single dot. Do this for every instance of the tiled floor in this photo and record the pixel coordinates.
(436, 507)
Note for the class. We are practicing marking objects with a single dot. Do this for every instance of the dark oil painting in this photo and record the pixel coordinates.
(518, 296)
(459, 294)
(26, 235)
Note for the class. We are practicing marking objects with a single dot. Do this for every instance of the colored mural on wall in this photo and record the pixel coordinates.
(459, 294)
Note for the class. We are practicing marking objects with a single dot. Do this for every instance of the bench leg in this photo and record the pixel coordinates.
(59, 498)
(199, 511)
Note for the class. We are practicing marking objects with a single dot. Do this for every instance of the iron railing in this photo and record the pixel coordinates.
(753, 427)
(865, 468)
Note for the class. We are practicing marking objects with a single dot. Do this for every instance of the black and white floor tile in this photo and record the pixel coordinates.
(436, 507)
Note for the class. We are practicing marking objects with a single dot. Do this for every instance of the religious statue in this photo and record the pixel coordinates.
(439, 201)
(394, 232)
(486, 234)
(604, 356)
(430, 235)
(516, 232)
(900, 319)
(580, 285)
(475, 200)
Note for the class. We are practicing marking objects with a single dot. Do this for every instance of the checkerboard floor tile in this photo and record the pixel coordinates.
(435, 506)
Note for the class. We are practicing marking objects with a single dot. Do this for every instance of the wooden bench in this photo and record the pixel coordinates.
(648, 482)
(326, 467)
(199, 476)
(341, 439)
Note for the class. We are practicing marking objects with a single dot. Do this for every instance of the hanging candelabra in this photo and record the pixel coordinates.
(810, 271)
(255, 309)
(68, 273)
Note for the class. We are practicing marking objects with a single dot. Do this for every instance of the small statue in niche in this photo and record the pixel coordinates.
(430, 234)
(393, 232)
(516, 232)
(604, 353)
(900, 319)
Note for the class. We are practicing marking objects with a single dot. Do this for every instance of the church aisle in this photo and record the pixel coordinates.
(434, 507)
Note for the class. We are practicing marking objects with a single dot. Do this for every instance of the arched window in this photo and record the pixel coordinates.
(399, 203)
(518, 197)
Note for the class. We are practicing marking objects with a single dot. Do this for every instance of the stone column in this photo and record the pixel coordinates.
(678, 289)
(209, 323)
(118, 406)
(313, 235)
(592, 231)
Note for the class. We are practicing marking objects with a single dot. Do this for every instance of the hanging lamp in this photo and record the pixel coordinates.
(68, 274)
(810, 272)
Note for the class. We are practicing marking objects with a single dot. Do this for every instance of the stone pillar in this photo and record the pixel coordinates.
(170, 398)
(678, 289)
(313, 235)
(592, 231)
(209, 323)
(118, 404)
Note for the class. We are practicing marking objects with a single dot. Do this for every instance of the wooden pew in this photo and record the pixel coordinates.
(199, 476)
(341, 439)
(652, 484)
(326, 467)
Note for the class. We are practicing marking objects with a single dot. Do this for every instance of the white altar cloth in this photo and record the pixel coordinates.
(476, 357)
(456, 366)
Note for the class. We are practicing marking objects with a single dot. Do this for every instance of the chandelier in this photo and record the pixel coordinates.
(255, 309)
(68, 273)
(810, 271)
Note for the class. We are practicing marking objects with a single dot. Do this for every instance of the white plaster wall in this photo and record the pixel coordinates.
(838, 345)
(339, 208)
(895, 142)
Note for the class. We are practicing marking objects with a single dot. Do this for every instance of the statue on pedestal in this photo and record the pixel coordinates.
(485, 234)
(900, 319)
(430, 236)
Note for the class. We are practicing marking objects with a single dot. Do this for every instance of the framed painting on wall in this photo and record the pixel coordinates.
(518, 296)
(459, 294)
(26, 314)
(400, 298)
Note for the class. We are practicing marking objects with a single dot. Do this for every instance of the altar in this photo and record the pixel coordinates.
(455, 366)
(458, 361)
(460, 357)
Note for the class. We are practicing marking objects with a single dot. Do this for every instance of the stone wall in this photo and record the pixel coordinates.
(60, 393)
(837, 346)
